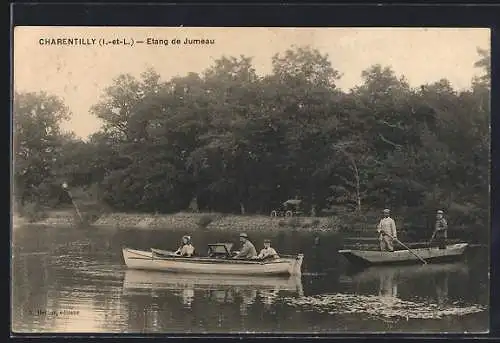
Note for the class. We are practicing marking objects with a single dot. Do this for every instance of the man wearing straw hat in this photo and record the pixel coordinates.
(441, 229)
(387, 231)
(247, 248)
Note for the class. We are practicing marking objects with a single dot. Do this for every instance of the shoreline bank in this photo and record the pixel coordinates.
(190, 222)
(183, 221)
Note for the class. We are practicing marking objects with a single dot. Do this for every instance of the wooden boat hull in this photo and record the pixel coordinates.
(146, 260)
(366, 258)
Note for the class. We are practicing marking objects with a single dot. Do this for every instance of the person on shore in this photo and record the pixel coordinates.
(247, 248)
(441, 230)
(386, 229)
(186, 249)
(267, 252)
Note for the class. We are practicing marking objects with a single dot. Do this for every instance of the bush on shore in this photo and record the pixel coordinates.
(32, 212)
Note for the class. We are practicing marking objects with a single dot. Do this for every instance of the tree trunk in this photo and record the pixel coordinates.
(193, 206)
(242, 208)
(358, 186)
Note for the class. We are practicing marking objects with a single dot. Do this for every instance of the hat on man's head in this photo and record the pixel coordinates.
(440, 211)
(387, 210)
(267, 241)
(244, 235)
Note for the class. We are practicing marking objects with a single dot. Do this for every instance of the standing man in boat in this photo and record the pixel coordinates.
(387, 231)
(268, 251)
(186, 248)
(441, 229)
(247, 248)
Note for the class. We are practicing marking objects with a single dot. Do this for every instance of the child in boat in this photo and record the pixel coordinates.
(186, 248)
(267, 252)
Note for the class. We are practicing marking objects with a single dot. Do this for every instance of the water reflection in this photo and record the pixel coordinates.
(388, 286)
(411, 281)
(222, 289)
(392, 294)
(248, 297)
(83, 271)
(187, 297)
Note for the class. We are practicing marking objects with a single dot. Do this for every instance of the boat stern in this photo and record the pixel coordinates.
(354, 258)
(460, 246)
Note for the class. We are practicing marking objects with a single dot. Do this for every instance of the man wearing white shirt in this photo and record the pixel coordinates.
(387, 231)
(267, 252)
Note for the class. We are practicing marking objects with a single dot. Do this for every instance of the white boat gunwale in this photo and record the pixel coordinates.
(207, 260)
(143, 255)
(226, 257)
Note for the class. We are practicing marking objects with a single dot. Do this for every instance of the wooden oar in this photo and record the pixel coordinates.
(164, 252)
(407, 248)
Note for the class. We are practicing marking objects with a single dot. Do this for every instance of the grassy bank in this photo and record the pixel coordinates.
(185, 221)
(210, 221)
(357, 227)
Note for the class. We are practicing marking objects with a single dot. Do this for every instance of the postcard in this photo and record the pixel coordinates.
(250, 180)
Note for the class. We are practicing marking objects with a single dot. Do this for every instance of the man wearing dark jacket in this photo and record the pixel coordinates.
(441, 230)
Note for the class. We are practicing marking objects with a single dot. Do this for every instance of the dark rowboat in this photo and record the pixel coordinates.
(367, 258)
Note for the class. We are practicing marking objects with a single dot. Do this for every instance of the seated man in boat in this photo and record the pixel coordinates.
(387, 231)
(186, 248)
(247, 248)
(441, 230)
(267, 252)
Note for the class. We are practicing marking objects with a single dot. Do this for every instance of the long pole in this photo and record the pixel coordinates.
(411, 251)
(432, 238)
(65, 187)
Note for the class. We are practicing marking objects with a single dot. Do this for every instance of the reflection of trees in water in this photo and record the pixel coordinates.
(30, 290)
(154, 314)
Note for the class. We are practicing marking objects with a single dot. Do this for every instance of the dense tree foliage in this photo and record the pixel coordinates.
(231, 140)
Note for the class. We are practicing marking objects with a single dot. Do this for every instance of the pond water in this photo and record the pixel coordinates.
(74, 281)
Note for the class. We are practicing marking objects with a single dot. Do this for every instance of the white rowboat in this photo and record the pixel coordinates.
(148, 260)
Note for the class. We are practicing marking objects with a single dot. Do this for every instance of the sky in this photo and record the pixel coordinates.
(79, 74)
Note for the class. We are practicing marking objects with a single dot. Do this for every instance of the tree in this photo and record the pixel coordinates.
(37, 142)
(304, 64)
(484, 63)
(238, 142)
